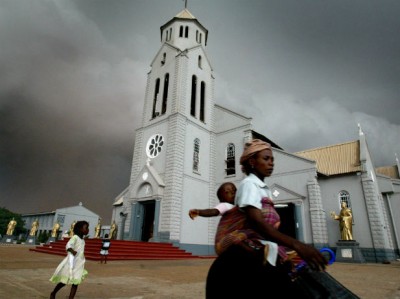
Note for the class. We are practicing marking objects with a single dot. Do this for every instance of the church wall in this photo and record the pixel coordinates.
(226, 120)
(158, 71)
(196, 195)
(234, 136)
(158, 162)
(293, 173)
(193, 132)
(203, 74)
(390, 223)
(330, 189)
(183, 43)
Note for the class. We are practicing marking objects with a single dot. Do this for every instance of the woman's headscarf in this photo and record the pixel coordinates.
(252, 147)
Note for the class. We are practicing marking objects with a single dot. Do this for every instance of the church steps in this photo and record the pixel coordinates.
(121, 250)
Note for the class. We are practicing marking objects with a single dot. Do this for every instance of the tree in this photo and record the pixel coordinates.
(6, 216)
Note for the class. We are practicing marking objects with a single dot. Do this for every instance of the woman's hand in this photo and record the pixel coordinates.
(311, 256)
(314, 259)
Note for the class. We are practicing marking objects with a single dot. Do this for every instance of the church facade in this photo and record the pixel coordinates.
(187, 145)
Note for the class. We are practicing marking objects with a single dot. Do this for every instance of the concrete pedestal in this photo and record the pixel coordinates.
(51, 239)
(349, 252)
(8, 239)
(31, 240)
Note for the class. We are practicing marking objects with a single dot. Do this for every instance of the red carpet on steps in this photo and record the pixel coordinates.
(122, 250)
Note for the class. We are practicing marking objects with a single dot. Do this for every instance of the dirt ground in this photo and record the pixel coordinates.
(25, 275)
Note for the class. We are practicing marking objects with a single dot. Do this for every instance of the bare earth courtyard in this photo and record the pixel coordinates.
(25, 275)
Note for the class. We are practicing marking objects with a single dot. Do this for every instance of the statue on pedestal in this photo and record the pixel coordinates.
(11, 226)
(97, 230)
(345, 219)
(34, 228)
(113, 231)
(71, 230)
(55, 229)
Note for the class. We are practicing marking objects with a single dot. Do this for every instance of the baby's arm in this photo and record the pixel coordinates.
(203, 213)
(72, 251)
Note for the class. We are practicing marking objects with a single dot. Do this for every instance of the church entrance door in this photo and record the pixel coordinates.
(288, 219)
(148, 208)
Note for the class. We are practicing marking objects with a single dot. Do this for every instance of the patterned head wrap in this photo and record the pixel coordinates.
(252, 147)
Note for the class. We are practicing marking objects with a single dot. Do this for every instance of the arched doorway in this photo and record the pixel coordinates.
(288, 219)
(143, 220)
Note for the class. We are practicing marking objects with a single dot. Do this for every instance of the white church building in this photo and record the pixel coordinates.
(187, 145)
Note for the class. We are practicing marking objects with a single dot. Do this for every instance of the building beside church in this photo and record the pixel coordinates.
(187, 145)
(64, 216)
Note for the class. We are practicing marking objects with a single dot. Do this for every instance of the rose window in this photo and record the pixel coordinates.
(154, 145)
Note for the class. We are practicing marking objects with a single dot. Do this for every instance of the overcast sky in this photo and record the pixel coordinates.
(73, 76)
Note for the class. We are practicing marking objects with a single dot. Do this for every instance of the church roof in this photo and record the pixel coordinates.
(185, 14)
(335, 159)
(390, 171)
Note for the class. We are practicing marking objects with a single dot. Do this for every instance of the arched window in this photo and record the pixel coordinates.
(197, 35)
(181, 31)
(193, 98)
(187, 31)
(165, 94)
(230, 159)
(156, 91)
(202, 100)
(200, 38)
(170, 33)
(199, 61)
(344, 196)
(196, 151)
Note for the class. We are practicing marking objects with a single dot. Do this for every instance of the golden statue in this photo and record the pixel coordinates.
(10, 227)
(97, 230)
(113, 230)
(34, 228)
(71, 230)
(345, 219)
(55, 229)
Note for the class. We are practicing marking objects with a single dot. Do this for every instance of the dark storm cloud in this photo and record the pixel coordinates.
(73, 79)
(67, 115)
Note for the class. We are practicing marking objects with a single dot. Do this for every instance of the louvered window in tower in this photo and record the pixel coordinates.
(230, 159)
(187, 31)
(165, 94)
(193, 97)
(156, 91)
(196, 152)
(202, 100)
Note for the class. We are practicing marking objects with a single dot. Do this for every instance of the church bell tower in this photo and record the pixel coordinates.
(173, 160)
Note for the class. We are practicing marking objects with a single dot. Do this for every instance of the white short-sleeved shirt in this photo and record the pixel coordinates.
(250, 192)
(224, 207)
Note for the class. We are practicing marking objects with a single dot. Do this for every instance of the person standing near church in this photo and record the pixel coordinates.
(105, 246)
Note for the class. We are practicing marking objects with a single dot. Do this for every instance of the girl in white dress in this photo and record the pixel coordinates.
(71, 270)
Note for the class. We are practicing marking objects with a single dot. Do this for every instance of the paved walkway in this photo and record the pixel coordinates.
(25, 275)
